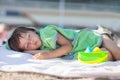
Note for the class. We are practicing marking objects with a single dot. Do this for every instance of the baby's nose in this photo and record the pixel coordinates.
(30, 41)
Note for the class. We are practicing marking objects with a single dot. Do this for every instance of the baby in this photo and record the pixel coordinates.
(52, 42)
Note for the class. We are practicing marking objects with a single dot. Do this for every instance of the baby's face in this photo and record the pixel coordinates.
(30, 41)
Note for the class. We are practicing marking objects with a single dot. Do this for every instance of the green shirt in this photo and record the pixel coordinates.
(81, 39)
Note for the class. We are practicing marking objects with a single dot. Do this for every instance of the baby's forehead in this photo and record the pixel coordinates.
(27, 32)
(22, 40)
(23, 34)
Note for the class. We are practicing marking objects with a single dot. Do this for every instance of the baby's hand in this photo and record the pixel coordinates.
(38, 56)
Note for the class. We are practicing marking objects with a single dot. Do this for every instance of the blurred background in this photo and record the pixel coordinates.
(64, 13)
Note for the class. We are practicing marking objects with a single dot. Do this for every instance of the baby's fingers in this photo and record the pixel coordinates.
(37, 56)
(34, 57)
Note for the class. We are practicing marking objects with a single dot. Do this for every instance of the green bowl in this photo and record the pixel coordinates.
(93, 57)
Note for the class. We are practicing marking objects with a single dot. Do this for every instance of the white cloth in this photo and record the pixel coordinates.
(17, 61)
(1, 43)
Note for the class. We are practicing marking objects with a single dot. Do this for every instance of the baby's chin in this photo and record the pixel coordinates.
(38, 48)
(39, 45)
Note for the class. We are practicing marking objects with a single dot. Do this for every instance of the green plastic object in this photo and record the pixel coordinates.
(92, 57)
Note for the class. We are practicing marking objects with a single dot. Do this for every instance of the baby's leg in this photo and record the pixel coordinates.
(110, 56)
(111, 46)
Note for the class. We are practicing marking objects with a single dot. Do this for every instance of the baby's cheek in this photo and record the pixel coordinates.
(30, 47)
(34, 47)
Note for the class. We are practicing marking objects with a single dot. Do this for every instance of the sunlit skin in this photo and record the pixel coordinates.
(30, 42)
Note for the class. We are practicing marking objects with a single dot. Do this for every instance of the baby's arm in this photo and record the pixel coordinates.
(65, 47)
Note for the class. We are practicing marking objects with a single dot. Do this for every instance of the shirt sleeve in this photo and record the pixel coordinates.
(48, 37)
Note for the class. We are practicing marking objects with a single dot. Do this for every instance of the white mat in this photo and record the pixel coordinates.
(16, 61)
